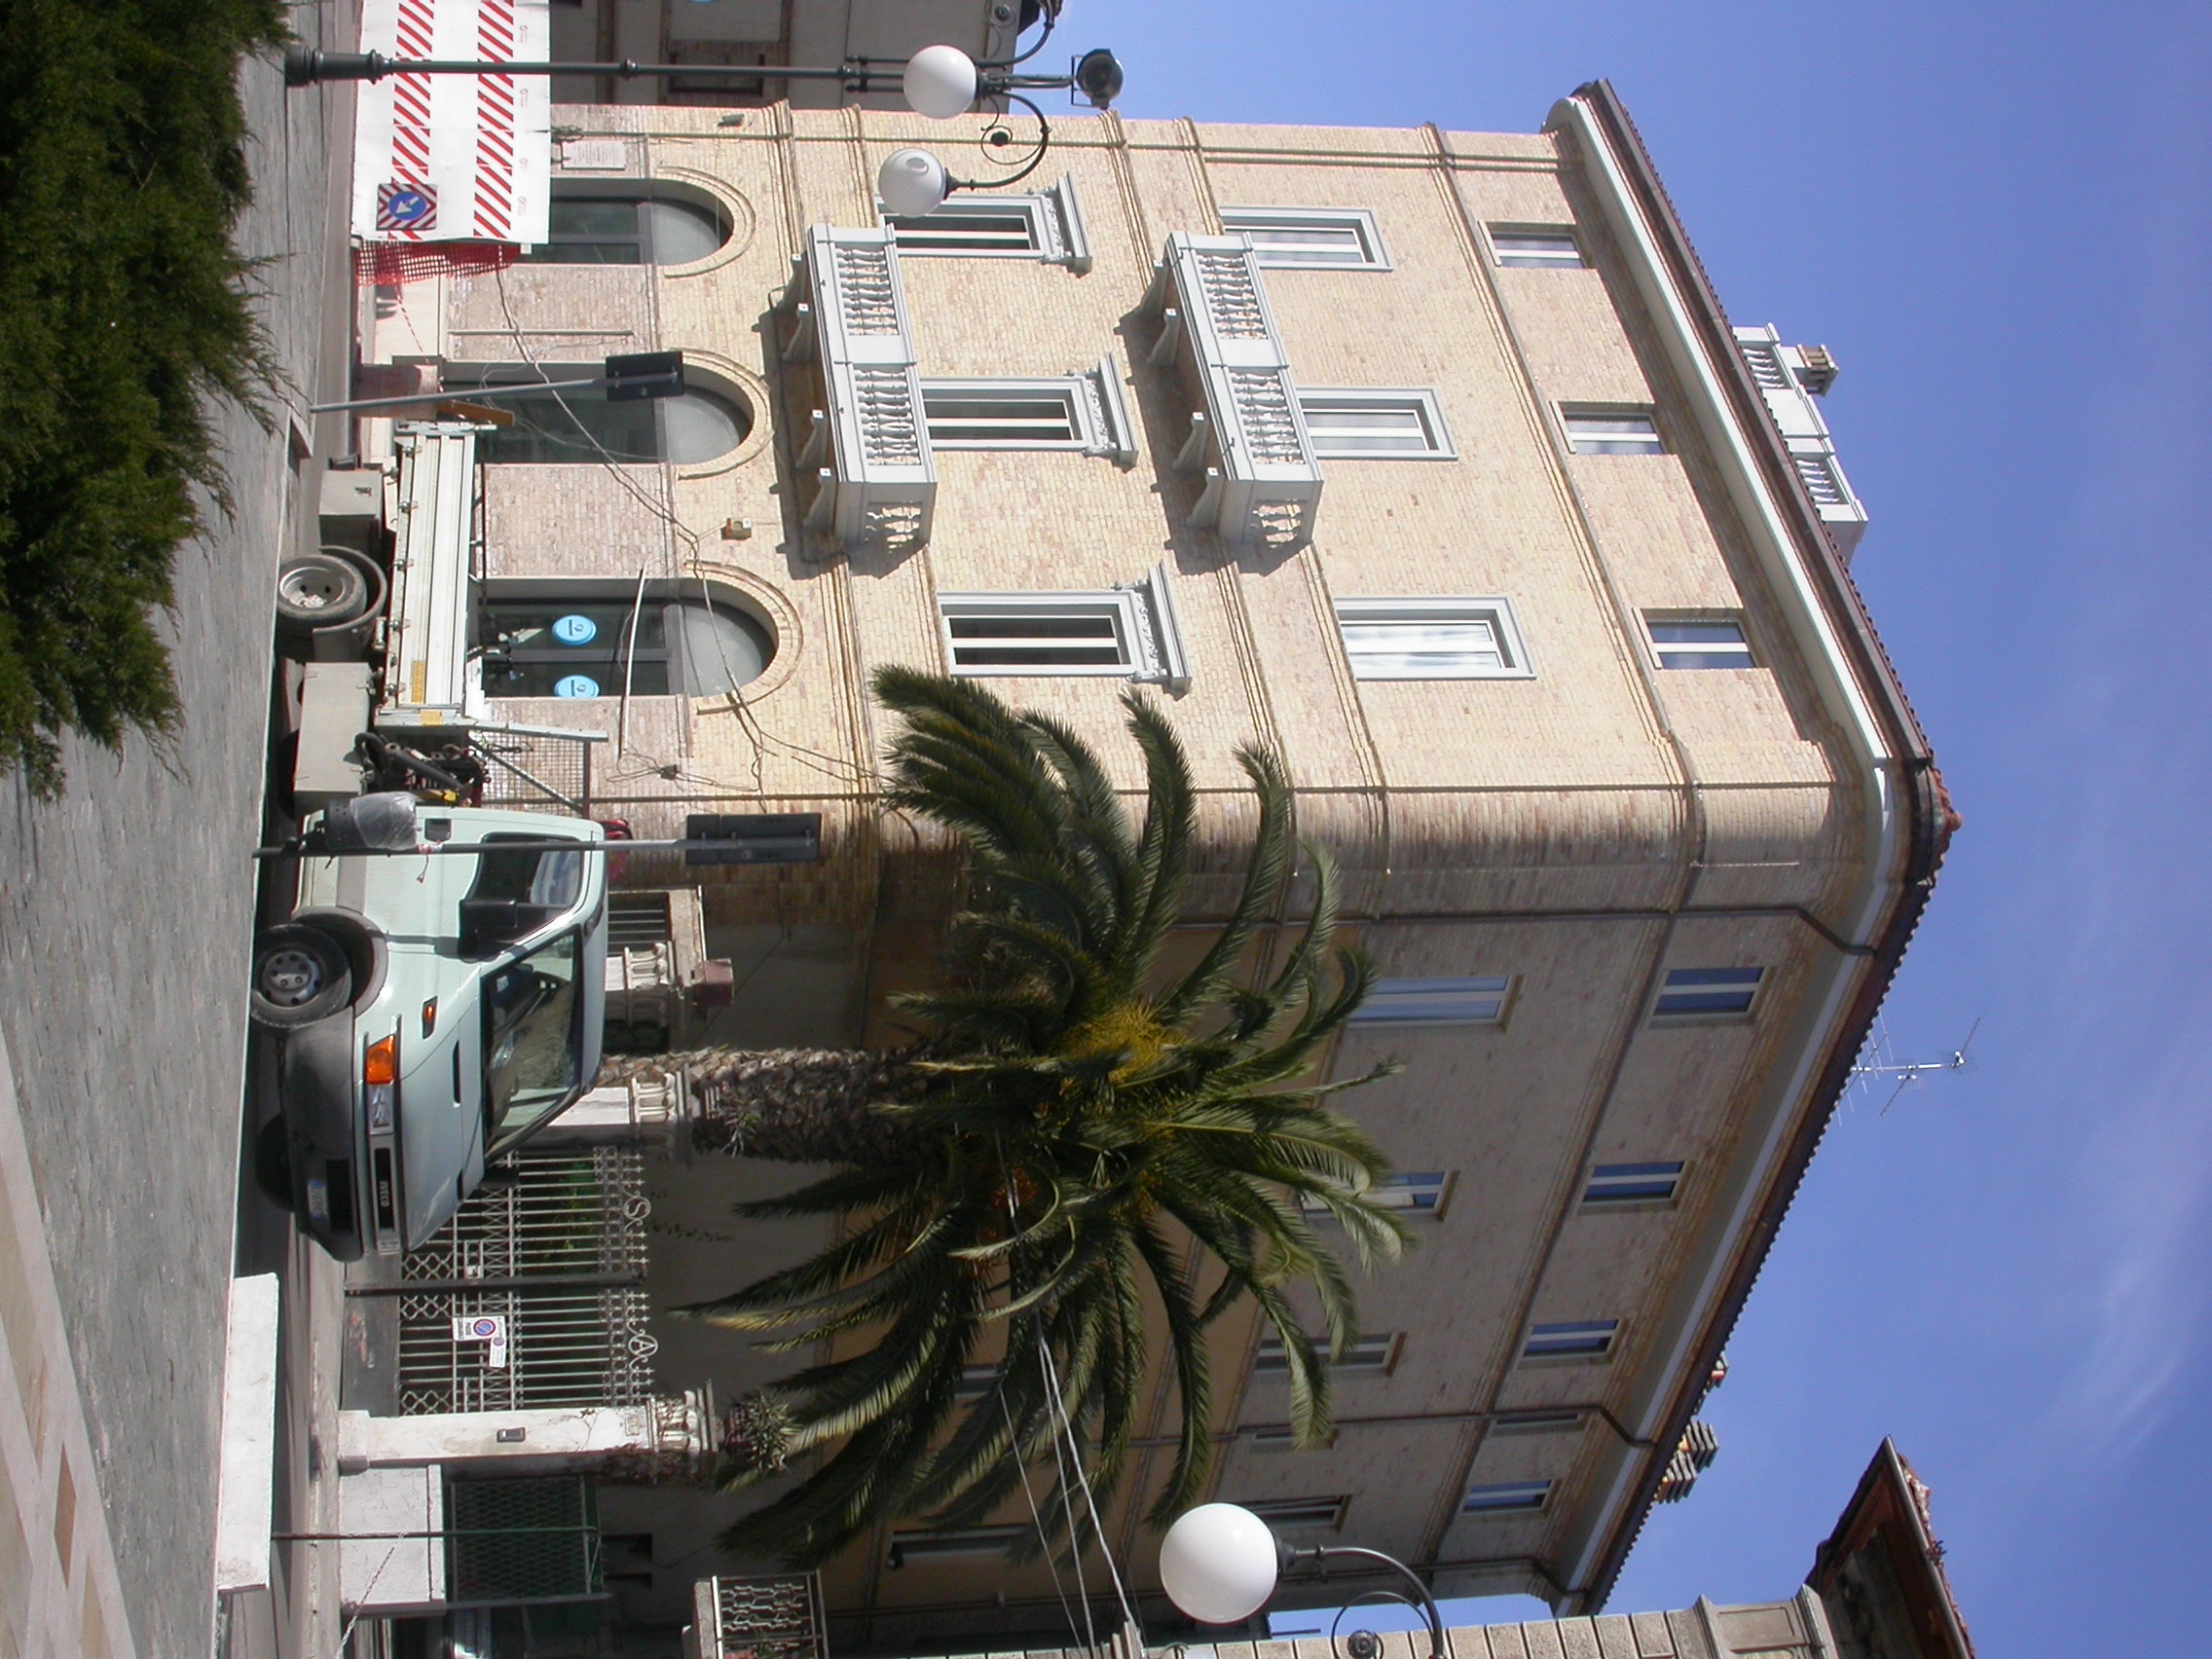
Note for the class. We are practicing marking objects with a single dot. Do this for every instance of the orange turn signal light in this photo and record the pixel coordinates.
(380, 1063)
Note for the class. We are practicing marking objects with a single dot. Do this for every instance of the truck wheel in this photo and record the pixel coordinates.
(319, 590)
(299, 976)
(273, 1162)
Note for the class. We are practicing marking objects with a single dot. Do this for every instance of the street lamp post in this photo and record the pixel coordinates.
(1219, 1564)
(939, 81)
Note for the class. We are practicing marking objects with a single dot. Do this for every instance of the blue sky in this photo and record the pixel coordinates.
(2000, 218)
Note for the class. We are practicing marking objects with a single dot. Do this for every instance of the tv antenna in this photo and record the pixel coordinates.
(1879, 1060)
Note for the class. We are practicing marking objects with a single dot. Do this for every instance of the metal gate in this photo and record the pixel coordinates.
(533, 1295)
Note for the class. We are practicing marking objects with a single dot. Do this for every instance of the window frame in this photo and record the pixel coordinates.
(1662, 650)
(1302, 1514)
(1242, 221)
(1435, 1184)
(1500, 233)
(1413, 610)
(485, 375)
(1421, 399)
(1634, 1186)
(1099, 417)
(1052, 218)
(618, 657)
(1688, 983)
(1558, 1420)
(1505, 1497)
(1570, 1342)
(1615, 444)
(1472, 985)
(1147, 630)
(638, 192)
(1373, 1353)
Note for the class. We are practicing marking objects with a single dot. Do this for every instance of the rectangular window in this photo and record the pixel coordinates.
(1421, 1191)
(977, 1541)
(1699, 641)
(1474, 1000)
(1431, 638)
(1536, 247)
(1304, 1514)
(1130, 632)
(1612, 432)
(1507, 1498)
(1588, 1339)
(1632, 1183)
(1690, 991)
(1046, 226)
(1374, 1354)
(1282, 1440)
(1344, 238)
(1352, 424)
(980, 416)
(1535, 1422)
(1075, 412)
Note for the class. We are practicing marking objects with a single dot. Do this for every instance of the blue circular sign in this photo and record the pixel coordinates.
(574, 630)
(407, 206)
(576, 686)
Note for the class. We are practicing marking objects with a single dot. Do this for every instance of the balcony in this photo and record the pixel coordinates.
(865, 473)
(1247, 434)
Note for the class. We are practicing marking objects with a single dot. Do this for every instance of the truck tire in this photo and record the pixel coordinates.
(299, 976)
(319, 590)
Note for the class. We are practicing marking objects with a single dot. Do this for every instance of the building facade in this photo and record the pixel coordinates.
(1427, 459)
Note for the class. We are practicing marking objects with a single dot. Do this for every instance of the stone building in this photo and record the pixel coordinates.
(1427, 457)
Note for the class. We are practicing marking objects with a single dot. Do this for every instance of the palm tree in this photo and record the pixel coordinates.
(1067, 1142)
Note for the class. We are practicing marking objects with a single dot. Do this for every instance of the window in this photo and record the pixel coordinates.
(1589, 1338)
(1046, 226)
(1699, 641)
(1422, 1191)
(1691, 991)
(1507, 1498)
(1535, 1422)
(582, 428)
(1632, 1183)
(1612, 432)
(1432, 638)
(1373, 1353)
(1475, 1000)
(1304, 1514)
(962, 1541)
(1130, 632)
(1342, 237)
(625, 224)
(1280, 1439)
(1346, 425)
(1536, 247)
(1078, 411)
(587, 640)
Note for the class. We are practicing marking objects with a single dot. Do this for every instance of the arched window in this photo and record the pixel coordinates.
(633, 222)
(581, 427)
(589, 639)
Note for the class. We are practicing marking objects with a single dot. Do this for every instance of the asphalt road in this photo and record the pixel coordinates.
(126, 922)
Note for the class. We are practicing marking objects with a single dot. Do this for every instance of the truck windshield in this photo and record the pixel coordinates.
(531, 1041)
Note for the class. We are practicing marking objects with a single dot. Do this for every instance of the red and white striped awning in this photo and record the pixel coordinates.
(453, 158)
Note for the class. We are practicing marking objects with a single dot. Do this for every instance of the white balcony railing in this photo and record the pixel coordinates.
(1262, 481)
(867, 454)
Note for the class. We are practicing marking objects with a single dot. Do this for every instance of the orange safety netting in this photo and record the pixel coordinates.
(385, 265)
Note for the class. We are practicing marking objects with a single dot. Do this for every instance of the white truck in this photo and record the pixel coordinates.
(422, 1013)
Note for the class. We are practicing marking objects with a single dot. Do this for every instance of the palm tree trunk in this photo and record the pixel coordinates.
(791, 1105)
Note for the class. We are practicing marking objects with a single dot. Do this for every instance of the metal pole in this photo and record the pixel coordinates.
(518, 1282)
(435, 849)
(466, 394)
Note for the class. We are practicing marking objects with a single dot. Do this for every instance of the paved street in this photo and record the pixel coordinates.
(125, 917)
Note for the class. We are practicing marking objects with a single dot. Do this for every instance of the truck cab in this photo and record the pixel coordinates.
(425, 1012)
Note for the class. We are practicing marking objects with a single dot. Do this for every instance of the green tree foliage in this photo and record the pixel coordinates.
(1085, 1147)
(121, 311)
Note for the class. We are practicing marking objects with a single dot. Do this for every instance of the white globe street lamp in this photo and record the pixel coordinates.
(1219, 1563)
(939, 81)
(911, 183)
